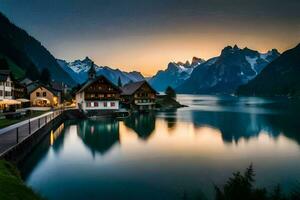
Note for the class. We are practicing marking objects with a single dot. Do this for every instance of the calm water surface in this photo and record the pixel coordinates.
(166, 154)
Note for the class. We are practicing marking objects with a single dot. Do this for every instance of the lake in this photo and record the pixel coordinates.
(165, 155)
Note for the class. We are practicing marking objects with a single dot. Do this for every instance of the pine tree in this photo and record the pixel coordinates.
(170, 92)
(119, 82)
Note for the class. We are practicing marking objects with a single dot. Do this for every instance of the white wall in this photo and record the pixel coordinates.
(101, 105)
(7, 89)
(80, 99)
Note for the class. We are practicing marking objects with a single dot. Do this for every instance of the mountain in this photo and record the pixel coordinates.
(224, 74)
(174, 75)
(78, 71)
(280, 77)
(28, 53)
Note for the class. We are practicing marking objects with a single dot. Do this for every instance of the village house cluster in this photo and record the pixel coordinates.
(24, 93)
(97, 94)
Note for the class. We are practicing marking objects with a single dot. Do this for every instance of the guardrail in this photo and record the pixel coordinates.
(16, 133)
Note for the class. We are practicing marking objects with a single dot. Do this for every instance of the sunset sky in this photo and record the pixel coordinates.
(146, 35)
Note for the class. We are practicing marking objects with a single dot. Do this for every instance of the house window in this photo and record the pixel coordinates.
(108, 95)
(7, 93)
(101, 95)
(105, 104)
(88, 104)
(44, 94)
(112, 104)
(96, 104)
(37, 94)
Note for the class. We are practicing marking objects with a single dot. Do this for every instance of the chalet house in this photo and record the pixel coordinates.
(41, 95)
(6, 85)
(98, 93)
(138, 95)
(19, 90)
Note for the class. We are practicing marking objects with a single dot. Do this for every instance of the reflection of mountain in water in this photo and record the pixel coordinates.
(142, 123)
(232, 125)
(98, 135)
(235, 125)
(287, 124)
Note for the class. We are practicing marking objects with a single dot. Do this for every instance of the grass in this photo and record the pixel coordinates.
(7, 122)
(17, 72)
(12, 186)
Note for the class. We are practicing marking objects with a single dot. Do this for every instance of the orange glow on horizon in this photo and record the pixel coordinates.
(156, 51)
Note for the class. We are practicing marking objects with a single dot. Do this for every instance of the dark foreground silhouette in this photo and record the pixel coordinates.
(241, 186)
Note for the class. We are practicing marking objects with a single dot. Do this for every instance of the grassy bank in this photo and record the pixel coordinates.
(7, 122)
(11, 185)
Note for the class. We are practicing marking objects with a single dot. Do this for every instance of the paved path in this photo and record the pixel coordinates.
(14, 134)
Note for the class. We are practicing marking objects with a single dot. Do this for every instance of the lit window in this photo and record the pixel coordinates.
(112, 104)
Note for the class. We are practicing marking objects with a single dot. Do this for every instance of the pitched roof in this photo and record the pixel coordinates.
(35, 85)
(131, 88)
(3, 77)
(89, 82)
(26, 81)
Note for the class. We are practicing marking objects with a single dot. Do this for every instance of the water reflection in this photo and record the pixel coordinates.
(159, 155)
(55, 139)
(99, 136)
(143, 124)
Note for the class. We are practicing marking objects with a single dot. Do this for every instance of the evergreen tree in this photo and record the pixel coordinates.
(119, 82)
(170, 92)
(45, 76)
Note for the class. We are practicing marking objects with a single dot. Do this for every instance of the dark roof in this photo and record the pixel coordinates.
(131, 88)
(35, 85)
(26, 81)
(89, 82)
(3, 77)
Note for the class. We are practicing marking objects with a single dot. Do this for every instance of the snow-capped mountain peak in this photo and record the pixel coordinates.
(175, 74)
(78, 69)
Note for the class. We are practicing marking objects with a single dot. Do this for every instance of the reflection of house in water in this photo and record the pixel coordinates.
(98, 135)
(55, 139)
(142, 124)
(55, 134)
